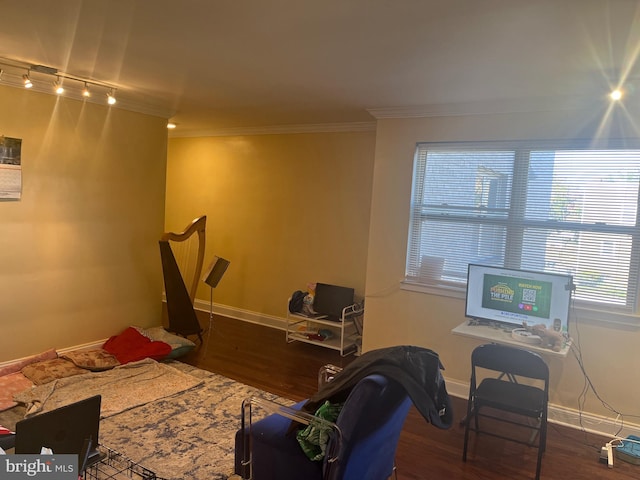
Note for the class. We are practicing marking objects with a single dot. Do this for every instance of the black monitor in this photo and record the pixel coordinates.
(330, 300)
(71, 429)
(518, 297)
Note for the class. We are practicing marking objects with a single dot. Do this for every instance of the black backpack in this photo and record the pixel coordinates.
(297, 300)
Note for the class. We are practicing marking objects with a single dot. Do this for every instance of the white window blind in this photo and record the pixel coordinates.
(555, 207)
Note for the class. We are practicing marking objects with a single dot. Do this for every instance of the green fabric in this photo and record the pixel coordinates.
(314, 438)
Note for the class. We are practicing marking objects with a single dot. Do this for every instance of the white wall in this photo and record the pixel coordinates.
(395, 316)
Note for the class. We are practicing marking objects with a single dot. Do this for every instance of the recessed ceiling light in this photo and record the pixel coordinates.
(57, 85)
(171, 125)
(616, 94)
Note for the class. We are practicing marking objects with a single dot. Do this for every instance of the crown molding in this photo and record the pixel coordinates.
(277, 130)
(501, 106)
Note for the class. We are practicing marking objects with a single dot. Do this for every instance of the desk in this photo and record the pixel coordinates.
(499, 335)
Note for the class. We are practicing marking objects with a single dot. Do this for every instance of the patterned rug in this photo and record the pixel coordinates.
(189, 435)
(124, 387)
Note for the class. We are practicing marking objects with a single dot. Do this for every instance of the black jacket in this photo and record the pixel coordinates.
(417, 369)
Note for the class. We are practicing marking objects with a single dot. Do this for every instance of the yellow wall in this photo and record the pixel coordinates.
(78, 253)
(395, 316)
(286, 210)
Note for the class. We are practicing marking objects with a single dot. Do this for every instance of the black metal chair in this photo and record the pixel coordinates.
(507, 393)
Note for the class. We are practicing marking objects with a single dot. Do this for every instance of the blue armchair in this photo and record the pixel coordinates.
(363, 444)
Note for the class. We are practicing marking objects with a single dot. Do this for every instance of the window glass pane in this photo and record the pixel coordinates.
(585, 186)
(555, 209)
(458, 244)
(468, 182)
(599, 262)
(456, 192)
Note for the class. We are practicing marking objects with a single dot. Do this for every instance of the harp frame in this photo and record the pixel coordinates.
(198, 226)
(182, 316)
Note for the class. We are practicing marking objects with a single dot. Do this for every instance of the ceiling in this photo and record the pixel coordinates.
(224, 65)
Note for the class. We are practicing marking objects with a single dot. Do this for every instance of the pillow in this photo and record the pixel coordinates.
(10, 385)
(179, 345)
(49, 370)
(131, 346)
(17, 366)
(95, 360)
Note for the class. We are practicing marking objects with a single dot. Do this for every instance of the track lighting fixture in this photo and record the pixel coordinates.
(44, 79)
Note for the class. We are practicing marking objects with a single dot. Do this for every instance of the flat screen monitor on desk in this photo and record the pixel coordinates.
(330, 300)
(518, 297)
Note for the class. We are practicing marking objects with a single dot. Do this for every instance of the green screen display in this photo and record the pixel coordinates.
(517, 295)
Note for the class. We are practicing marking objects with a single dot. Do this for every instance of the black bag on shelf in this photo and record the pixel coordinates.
(296, 302)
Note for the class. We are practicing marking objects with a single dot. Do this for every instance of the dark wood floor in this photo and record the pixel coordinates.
(259, 356)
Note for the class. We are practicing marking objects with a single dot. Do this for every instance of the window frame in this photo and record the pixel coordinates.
(582, 309)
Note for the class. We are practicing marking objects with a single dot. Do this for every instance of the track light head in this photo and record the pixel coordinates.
(57, 85)
(85, 91)
(27, 81)
(111, 99)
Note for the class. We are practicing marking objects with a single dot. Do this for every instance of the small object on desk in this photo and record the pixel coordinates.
(525, 336)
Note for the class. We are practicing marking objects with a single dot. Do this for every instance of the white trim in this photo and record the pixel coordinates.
(560, 415)
(277, 130)
(441, 290)
(578, 313)
(62, 351)
(497, 106)
(568, 417)
(246, 315)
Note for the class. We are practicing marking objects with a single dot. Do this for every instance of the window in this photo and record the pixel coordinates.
(553, 207)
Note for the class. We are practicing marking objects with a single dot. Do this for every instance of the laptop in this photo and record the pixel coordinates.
(72, 429)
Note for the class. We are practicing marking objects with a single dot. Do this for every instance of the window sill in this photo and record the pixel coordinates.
(578, 314)
(440, 289)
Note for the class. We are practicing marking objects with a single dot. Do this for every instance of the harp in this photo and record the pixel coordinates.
(181, 274)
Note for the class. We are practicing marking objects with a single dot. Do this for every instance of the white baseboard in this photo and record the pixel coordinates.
(596, 424)
(568, 417)
(245, 315)
(62, 351)
(592, 423)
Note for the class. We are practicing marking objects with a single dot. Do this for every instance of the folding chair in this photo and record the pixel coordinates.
(507, 393)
